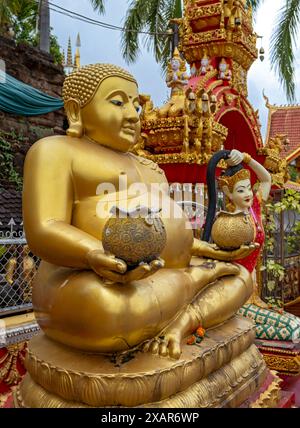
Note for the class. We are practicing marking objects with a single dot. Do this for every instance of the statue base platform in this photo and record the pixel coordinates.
(221, 371)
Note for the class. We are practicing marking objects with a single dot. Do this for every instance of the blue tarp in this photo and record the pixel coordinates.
(18, 98)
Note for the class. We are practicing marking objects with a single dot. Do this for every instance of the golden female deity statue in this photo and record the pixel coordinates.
(85, 297)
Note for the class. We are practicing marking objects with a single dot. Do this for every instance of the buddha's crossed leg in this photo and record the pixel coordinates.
(212, 306)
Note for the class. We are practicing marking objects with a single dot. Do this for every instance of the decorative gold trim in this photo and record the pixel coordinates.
(287, 363)
(271, 397)
(199, 43)
(9, 373)
(203, 81)
(293, 302)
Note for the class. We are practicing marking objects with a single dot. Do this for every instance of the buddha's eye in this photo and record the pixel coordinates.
(117, 103)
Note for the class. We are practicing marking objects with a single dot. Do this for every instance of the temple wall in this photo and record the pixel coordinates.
(37, 69)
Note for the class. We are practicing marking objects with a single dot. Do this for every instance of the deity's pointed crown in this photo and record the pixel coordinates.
(205, 54)
(83, 83)
(176, 54)
(225, 180)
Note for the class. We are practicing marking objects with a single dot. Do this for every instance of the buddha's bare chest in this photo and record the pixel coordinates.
(116, 171)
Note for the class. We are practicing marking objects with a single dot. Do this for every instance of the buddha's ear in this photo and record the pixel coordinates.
(73, 111)
(227, 192)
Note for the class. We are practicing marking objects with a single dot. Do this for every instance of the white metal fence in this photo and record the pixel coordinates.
(17, 269)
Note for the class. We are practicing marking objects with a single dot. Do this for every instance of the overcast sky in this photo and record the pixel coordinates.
(103, 45)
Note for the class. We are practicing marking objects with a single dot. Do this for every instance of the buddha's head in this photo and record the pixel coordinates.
(102, 103)
(236, 185)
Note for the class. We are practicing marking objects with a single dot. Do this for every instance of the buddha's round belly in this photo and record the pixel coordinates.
(91, 215)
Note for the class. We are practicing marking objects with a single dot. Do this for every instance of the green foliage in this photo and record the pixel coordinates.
(98, 5)
(54, 46)
(293, 238)
(275, 303)
(22, 16)
(275, 269)
(293, 172)
(282, 45)
(290, 201)
(151, 16)
(7, 170)
(2, 250)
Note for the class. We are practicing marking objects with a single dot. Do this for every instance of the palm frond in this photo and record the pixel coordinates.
(177, 11)
(150, 16)
(5, 12)
(161, 12)
(282, 45)
(135, 21)
(254, 3)
(98, 5)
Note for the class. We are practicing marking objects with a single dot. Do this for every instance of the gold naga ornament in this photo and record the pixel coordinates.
(89, 300)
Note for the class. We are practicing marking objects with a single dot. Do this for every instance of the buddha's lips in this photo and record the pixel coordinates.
(131, 131)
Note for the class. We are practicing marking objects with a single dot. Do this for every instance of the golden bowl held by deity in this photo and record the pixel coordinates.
(134, 239)
(232, 230)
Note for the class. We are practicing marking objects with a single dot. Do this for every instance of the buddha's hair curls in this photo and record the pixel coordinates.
(83, 83)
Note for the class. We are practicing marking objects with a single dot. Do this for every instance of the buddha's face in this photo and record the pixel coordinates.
(242, 195)
(111, 118)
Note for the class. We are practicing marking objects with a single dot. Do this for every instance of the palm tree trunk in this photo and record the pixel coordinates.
(175, 26)
(44, 26)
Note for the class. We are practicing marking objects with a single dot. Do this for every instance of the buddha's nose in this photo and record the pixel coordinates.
(131, 114)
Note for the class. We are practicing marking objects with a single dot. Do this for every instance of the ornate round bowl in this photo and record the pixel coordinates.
(135, 239)
(231, 230)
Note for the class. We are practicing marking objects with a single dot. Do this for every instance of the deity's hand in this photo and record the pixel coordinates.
(115, 270)
(235, 158)
(212, 251)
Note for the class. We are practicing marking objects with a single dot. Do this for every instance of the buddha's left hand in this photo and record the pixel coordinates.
(211, 251)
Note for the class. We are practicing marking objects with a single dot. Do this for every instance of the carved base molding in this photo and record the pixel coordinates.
(222, 371)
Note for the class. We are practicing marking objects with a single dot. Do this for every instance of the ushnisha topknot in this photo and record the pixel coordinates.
(82, 84)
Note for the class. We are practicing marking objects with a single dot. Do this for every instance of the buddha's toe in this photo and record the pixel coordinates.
(167, 345)
(174, 346)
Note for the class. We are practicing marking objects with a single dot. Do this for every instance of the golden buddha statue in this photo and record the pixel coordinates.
(86, 298)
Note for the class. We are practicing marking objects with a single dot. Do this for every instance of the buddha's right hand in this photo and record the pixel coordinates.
(115, 270)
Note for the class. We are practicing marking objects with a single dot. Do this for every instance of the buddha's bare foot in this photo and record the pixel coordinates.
(168, 344)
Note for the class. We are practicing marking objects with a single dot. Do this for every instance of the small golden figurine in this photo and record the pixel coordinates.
(224, 70)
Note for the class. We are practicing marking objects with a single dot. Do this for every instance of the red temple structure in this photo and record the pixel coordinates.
(284, 122)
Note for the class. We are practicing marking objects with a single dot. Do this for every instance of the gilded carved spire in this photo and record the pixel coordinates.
(77, 54)
(69, 62)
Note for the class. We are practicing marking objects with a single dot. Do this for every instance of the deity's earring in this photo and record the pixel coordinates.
(72, 108)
